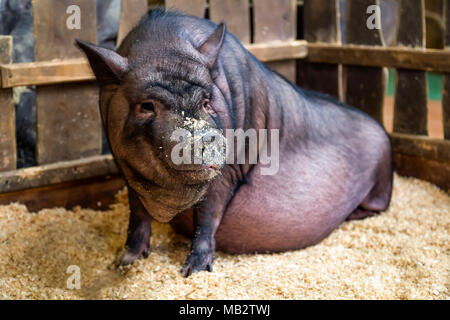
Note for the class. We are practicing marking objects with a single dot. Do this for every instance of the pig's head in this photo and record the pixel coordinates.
(154, 88)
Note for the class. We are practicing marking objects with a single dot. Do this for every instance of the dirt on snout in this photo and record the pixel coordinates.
(403, 253)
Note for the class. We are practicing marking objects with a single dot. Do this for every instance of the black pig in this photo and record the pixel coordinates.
(335, 161)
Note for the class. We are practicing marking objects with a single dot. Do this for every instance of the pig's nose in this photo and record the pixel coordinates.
(212, 147)
(208, 136)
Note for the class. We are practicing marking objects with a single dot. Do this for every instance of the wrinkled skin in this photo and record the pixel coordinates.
(335, 161)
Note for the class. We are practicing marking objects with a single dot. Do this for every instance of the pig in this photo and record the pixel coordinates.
(335, 162)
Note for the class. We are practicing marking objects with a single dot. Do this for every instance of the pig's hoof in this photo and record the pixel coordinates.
(129, 256)
(197, 261)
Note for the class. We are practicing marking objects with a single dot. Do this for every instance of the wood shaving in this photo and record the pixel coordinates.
(400, 254)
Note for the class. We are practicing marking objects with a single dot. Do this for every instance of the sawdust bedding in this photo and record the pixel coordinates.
(400, 254)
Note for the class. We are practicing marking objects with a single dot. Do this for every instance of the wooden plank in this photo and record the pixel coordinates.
(276, 21)
(68, 119)
(236, 14)
(421, 146)
(131, 11)
(277, 51)
(78, 70)
(8, 153)
(364, 87)
(46, 72)
(436, 172)
(6, 46)
(321, 24)
(422, 157)
(446, 76)
(410, 106)
(67, 122)
(376, 56)
(192, 7)
(53, 173)
(95, 193)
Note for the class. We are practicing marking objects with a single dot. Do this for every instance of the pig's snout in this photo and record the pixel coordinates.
(197, 150)
(213, 148)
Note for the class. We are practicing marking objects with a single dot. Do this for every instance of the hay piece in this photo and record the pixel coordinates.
(401, 254)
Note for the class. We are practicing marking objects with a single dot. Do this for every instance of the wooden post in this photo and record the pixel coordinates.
(131, 11)
(236, 14)
(8, 152)
(321, 24)
(446, 77)
(276, 21)
(364, 86)
(410, 106)
(192, 7)
(68, 118)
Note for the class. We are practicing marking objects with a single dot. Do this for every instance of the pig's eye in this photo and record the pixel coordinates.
(207, 107)
(146, 110)
(147, 107)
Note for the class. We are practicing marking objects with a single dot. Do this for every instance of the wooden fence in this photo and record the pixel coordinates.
(71, 169)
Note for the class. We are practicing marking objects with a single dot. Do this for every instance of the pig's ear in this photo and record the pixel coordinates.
(108, 66)
(211, 47)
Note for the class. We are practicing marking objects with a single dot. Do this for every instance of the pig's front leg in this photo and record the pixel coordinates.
(207, 218)
(139, 231)
(203, 244)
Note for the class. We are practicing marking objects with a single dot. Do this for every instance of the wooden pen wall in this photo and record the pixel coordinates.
(69, 136)
(361, 81)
